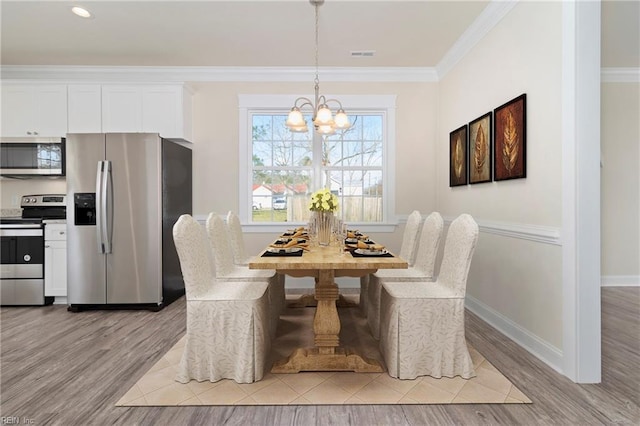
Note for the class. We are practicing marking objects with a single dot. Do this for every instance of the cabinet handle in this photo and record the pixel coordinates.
(35, 133)
(61, 232)
(47, 246)
(28, 133)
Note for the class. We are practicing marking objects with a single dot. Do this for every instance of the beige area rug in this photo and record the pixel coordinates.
(158, 387)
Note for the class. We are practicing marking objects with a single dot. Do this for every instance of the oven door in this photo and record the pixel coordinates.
(22, 265)
(24, 157)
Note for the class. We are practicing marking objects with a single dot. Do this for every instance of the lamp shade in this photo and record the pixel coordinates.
(295, 118)
(299, 129)
(324, 116)
(326, 129)
(342, 120)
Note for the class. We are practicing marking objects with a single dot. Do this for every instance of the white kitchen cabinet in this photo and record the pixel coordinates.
(34, 110)
(55, 260)
(163, 109)
(121, 108)
(84, 108)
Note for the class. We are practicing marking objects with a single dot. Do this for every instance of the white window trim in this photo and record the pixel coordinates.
(349, 102)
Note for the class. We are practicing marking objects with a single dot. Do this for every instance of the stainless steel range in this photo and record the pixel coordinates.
(22, 253)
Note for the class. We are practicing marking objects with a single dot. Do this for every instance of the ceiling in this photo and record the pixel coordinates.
(262, 33)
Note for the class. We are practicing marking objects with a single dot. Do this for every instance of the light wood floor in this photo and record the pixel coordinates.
(71, 368)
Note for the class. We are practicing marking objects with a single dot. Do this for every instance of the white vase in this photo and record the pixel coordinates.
(324, 222)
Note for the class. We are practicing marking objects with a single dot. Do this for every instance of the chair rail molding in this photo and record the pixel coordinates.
(537, 233)
(620, 75)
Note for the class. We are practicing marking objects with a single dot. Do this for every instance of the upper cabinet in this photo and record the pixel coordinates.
(34, 110)
(85, 108)
(163, 109)
(55, 110)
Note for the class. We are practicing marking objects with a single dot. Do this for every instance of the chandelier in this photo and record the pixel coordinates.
(324, 121)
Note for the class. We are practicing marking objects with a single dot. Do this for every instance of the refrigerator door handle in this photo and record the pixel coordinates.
(108, 207)
(99, 207)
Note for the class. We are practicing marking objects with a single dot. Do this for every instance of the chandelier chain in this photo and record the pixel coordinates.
(317, 79)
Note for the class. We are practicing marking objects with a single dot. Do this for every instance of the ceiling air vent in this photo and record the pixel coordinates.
(362, 53)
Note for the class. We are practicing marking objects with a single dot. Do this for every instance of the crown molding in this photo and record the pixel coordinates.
(620, 75)
(181, 74)
(489, 18)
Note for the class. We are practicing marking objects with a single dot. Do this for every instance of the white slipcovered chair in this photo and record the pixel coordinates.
(227, 323)
(236, 239)
(423, 269)
(407, 252)
(226, 270)
(422, 326)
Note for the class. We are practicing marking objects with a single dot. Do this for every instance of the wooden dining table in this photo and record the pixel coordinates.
(325, 263)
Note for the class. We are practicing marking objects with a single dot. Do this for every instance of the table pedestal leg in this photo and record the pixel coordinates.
(326, 355)
(309, 301)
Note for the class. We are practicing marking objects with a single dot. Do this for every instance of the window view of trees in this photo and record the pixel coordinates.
(285, 171)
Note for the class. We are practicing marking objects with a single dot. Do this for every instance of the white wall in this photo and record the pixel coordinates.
(216, 144)
(518, 281)
(12, 189)
(620, 205)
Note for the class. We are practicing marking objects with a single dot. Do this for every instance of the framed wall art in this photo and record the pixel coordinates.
(480, 149)
(458, 156)
(510, 140)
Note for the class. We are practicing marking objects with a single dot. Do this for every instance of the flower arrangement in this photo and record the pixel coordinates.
(323, 201)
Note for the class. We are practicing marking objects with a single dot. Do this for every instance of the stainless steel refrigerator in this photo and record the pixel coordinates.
(124, 193)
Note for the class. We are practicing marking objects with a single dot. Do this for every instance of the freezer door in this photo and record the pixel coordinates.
(134, 209)
(86, 269)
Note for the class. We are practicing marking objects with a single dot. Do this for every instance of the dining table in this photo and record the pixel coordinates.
(324, 264)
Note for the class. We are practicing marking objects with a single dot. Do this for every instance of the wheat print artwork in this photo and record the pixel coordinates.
(458, 157)
(510, 140)
(480, 149)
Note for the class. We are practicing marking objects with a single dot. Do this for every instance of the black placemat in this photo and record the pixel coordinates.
(271, 254)
(354, 254)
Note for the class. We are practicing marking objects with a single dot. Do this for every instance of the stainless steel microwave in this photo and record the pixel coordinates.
(32, 157)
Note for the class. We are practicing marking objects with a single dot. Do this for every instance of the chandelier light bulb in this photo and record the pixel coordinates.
(342, 120)
(326, 129)
(299, 129)
(324, 116)
(295, 118)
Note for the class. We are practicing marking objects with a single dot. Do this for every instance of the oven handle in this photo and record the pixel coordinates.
(23, 232)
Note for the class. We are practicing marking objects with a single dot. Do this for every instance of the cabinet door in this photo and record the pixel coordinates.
(34, 110)
(162, 110)
(55, 268)
(50, 113)
(121, 109)
(85, 108)
(17, 106)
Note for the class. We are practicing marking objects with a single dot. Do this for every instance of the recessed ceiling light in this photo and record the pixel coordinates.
(82, 12)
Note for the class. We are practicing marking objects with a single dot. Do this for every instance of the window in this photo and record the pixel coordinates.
(281, 168)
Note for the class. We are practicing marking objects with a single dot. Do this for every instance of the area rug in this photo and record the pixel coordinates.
(158, 387)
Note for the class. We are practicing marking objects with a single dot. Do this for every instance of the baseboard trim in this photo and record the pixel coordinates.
(539, 348)
(620, 281)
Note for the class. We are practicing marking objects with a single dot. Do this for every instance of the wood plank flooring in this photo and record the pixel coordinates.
(71, 368)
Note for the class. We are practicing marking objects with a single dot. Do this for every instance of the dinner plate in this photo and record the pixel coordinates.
(371, 252)
(284, 250)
